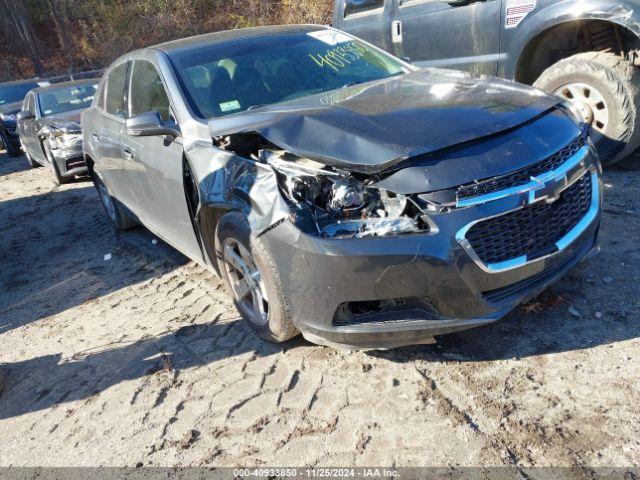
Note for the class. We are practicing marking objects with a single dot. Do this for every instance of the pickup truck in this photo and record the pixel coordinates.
(585, 51)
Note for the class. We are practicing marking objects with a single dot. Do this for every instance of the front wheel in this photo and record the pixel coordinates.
(605, 88)
(252, 277)
(12, 150)
(116, 212)
(57, 177)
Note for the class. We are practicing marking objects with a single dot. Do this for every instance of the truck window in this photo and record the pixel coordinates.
(358, 6)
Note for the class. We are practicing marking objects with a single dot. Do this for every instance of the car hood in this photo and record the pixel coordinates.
(369, 128)
(65, 117)
(14, 107)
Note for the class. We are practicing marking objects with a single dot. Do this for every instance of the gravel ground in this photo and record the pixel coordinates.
(142, 360)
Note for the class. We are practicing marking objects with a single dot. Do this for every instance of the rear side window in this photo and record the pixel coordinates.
(146, 91)
(358, 6)
(102, 95)
(115, 90)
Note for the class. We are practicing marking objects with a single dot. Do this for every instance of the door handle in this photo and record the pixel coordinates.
(95, 137)
(128, 154)
(396, 31)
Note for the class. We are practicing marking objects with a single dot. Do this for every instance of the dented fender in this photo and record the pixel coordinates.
(230, 182)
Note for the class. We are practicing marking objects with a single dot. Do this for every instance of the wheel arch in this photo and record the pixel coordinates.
(570, 37)
(519, 42)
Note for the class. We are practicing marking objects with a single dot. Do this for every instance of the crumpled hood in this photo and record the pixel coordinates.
(64, 117)
(14, 107)
(369, 128)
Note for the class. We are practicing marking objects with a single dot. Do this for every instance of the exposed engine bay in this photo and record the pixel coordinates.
(331, 202)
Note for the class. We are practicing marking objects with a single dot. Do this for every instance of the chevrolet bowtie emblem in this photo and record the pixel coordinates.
(549, 191)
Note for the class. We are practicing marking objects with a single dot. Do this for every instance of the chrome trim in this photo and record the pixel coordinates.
(574, 162)
(561, 244)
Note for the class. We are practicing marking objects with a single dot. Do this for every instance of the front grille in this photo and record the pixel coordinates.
(522, 176)
(503, 293)
(534, 230)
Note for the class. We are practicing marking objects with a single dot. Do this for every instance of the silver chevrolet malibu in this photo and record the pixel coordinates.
(339, 191)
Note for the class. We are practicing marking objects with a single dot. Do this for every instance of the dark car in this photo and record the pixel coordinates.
(587, 52)
(11, 96)
(339, 191)
(49, 127)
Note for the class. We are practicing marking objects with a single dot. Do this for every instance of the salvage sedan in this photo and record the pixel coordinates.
(49, 127)
(340, 192)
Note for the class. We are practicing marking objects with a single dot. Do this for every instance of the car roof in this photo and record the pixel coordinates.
(57, 86)
(231, 35)
(22, 82)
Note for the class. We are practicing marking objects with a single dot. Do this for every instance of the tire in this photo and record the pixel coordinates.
(30, 161)
(112, 207)
(11, 149)
(233, 232)
(57, 177)
(618, 84)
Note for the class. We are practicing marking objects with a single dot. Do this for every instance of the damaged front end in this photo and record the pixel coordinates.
(335, 203)
(65, 144)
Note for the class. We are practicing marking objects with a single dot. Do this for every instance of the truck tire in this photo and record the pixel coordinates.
(252, 278)
(606, 89)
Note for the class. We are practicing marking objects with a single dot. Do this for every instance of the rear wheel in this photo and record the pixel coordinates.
(253, 279)
(605, 88)
(115, 211)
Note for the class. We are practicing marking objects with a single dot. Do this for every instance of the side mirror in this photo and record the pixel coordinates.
(24, 115)
(149, 124)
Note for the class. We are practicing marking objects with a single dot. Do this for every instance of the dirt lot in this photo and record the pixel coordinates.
(141, 360)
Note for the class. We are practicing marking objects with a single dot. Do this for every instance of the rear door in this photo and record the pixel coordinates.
(107, 135)
(367, 19)
(154, 165)
(456, 34)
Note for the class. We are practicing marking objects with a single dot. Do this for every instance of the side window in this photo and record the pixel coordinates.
(358, 6)
(115, 90)
(146, 91)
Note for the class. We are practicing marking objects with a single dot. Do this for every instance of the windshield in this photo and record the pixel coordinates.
(65, 99)
(15, 93)
(248, 73)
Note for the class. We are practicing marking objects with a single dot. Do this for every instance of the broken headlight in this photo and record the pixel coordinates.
(337, 205)
(64, 136)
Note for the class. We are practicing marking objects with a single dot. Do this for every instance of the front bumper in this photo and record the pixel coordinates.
(70, 161)
(408, 289)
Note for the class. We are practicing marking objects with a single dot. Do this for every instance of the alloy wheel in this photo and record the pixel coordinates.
(246, 281)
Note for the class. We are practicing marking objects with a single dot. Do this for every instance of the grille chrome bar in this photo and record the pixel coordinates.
(560, 244)
(574, 162)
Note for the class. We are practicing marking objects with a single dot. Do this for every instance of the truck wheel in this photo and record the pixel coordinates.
(252, 277)
(605, 89)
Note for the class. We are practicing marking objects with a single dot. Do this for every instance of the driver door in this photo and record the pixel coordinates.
(153, 165)
(458, 34)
